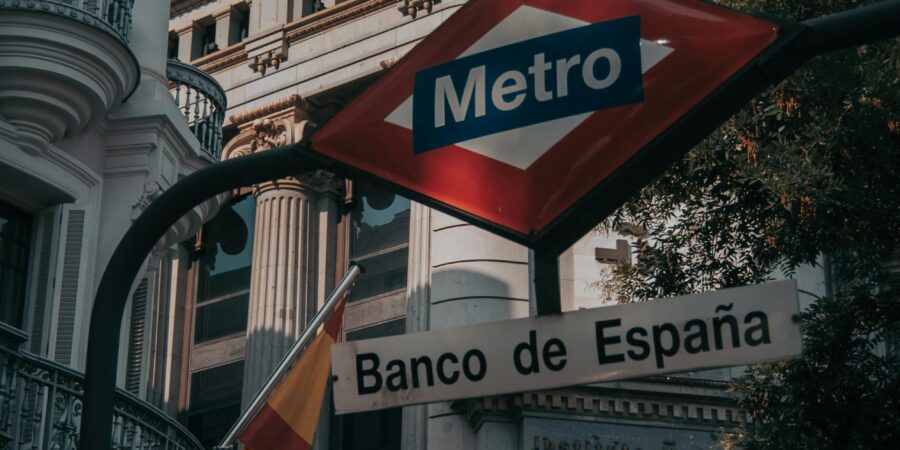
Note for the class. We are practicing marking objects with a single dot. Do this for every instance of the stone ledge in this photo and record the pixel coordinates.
(688, 409)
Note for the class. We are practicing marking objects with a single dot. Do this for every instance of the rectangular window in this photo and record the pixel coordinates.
(385, 273)
(205, 39)
(224, 266)
(240, 24)
(15, 241)
(392, 328)
(215, 402)
(221, 318)
(220, 311)
(375, 430)
(244, 27)
(379, 240)
(173, 46)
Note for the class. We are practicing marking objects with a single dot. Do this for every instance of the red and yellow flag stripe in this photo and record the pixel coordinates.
(289, 418)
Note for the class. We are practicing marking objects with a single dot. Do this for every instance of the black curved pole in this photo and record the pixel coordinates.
(850, 28)
(129, 256)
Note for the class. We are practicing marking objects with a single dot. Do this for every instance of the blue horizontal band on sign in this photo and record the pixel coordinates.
(593, 67)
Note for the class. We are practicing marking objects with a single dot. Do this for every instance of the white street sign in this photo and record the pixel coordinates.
(725, 328)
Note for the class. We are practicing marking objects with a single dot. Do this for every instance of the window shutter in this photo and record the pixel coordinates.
(136, 339)
(69, 295)
(43, 281)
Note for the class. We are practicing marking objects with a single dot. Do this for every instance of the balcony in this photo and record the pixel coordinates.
(63, 65)
(41, 403)
(202, 101)
(110, 16)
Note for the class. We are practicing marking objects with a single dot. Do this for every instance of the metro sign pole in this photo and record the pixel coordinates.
(443, 177)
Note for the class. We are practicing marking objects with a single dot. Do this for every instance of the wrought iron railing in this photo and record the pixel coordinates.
(41, 403)
(202, 101)
(111, 16)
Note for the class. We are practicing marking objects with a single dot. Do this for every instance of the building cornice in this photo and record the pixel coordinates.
(293, 101)
(180, 6)
(294, 31)
(227, 57)
(641, 406)
(332, 17)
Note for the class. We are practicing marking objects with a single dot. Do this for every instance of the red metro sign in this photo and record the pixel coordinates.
(535, 118)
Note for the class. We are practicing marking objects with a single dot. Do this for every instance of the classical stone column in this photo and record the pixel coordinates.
(147, 43)
(284, 277)
(418, 308)
(293, 239)
(476, 277)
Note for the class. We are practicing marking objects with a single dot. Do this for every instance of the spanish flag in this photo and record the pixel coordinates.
(289, 418)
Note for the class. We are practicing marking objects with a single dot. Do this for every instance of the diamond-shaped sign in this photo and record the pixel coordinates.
(513, 111)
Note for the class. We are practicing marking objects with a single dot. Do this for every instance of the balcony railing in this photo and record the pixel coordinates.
(41, 403)
(202, 101)
(111, 16)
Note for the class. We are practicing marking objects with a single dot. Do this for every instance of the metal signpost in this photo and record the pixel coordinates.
(531, 118)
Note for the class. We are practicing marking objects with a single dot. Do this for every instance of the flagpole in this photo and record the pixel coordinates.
(310, 332)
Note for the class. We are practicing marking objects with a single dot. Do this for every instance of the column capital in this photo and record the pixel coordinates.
(267, 133)
(317, 183)
(323, 182)
(274, 125)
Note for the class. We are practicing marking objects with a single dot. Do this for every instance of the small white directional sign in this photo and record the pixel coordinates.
(725, 328)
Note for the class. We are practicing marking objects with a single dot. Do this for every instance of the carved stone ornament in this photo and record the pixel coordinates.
(267, 135)
(273, 58)
(274, 125)
(290, 106)
(412, 7)
(264, 134)
(323, 182)
(152, 190)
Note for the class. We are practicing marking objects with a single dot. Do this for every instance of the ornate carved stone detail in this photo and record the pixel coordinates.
(274, 125)
(41, 406)
(267, 135)
(412, 7)
(272, 58)
(388, 63)
(319, 182)
(292, 102)
(57, 92)
(323, 183)
(152, 191)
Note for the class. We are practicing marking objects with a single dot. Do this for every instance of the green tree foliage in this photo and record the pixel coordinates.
(809, 168)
